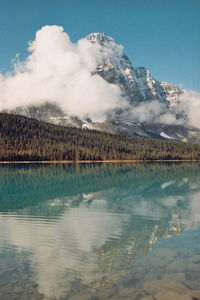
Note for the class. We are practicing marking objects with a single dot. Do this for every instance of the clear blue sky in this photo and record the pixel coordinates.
(162, 35)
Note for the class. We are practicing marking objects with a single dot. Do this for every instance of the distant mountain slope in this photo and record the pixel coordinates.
(147, 130)
(22, 138)
(52, 114)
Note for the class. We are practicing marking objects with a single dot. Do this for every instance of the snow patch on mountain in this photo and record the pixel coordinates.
(166, 136)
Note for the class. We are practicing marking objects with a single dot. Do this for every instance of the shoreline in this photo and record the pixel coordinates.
(93, 161)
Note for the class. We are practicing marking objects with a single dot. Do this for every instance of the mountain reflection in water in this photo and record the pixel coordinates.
(86, 229)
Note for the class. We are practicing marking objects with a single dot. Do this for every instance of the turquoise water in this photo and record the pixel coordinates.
(100, 231)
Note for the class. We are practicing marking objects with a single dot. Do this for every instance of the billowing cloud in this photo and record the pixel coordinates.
(60, 72)
(153, 112)
(190, 105)
(187, 110)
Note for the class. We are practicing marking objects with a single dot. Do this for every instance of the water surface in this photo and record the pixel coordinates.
(100, 231)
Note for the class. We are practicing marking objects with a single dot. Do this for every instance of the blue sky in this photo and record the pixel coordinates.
(162, 35)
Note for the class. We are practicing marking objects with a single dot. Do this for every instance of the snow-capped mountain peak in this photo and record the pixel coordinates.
(101, 38)
(136, 83)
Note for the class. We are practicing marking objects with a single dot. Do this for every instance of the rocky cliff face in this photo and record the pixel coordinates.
(137, 87)
(136, 83)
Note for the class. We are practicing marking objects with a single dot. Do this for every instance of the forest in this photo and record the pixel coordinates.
(24, 139)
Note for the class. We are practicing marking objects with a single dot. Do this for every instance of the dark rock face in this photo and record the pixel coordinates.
(136, 83)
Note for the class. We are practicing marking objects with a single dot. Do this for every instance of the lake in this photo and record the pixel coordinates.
(100, 231)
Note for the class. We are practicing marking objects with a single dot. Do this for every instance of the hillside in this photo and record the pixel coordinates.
(24, 139)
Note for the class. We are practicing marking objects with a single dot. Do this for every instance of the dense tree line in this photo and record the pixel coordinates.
(24, 139)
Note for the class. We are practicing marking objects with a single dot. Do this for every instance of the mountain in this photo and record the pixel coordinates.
(137, 87)
(135, 83)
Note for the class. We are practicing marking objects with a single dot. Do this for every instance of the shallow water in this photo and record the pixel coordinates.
(100, 231)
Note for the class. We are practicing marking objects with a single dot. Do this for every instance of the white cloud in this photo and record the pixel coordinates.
(152, 112)
(59, 71)
(190, 105)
